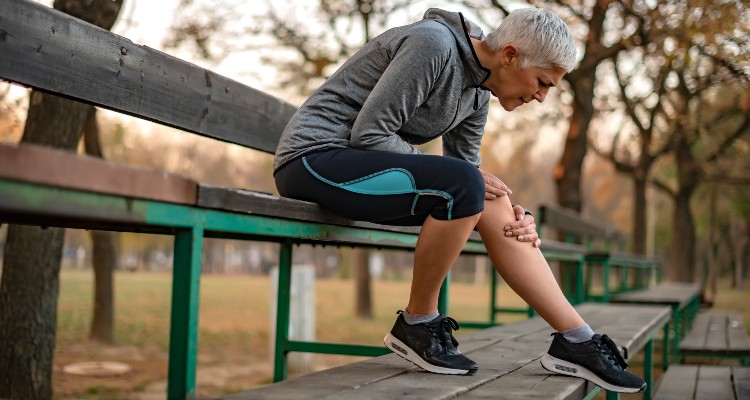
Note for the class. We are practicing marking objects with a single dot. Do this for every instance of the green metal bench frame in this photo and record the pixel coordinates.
(684, 300)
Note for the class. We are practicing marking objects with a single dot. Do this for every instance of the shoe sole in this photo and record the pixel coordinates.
(563, 367)
(398, 347)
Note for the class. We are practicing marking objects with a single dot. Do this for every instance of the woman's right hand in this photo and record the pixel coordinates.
(494, 187)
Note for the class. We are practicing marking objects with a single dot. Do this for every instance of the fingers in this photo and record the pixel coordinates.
(532, 237)
(524, 220)
(522, 231)
(494, 187)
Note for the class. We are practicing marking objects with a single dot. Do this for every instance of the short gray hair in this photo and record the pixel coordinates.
(541, 36)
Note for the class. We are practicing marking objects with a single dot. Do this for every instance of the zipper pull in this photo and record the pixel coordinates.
(476, 98)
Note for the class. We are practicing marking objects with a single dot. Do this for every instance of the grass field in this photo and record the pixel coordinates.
(234, 343)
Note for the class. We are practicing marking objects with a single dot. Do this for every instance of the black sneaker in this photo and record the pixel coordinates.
(597, 360)
(430, 346)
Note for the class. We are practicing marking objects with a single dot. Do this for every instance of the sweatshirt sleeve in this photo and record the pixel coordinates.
(464, 141)
(404, 85)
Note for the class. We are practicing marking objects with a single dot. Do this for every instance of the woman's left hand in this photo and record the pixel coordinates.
(494, 187)
(524, 229)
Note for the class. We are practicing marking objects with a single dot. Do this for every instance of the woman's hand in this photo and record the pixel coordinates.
(494, 187)
(524, 229)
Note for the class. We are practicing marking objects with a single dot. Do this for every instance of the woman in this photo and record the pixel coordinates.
(350, 148)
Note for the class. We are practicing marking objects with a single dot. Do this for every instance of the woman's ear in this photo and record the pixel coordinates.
(507, 54)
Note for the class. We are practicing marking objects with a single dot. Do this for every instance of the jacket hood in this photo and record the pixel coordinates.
(463, 30)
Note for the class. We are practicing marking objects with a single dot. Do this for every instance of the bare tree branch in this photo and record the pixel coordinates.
(729, 140)
(629, 105)
(729, 180)
(570, 9)
(725, 63)
(663, 187)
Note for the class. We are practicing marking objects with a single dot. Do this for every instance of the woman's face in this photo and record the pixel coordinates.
(515, 87)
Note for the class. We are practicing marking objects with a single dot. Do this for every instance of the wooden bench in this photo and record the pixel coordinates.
(717, 334)
(694, 382)
(508, 358)
(683, 298)
(52, 52)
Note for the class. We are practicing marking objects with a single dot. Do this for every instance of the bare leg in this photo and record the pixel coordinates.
(524, 268)
(439, 244)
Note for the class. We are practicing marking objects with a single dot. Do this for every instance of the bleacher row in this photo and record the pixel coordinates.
(42, 186)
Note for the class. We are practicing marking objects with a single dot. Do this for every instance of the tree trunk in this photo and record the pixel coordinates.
(582, 81)
(28, 305)
(683, 240)
(568, 170)
(741, 252)
(709, 279)
(104, 260)
(361, 268)
(682, 268)
(104, 255)
(640, 217)
(30, 280)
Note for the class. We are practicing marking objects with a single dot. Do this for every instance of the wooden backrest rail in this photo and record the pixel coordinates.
(570, 222)
(51, 51)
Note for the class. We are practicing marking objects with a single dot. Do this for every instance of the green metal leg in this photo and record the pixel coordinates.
(648, 368)
(283, 295)
(587, 290)
(639, 279)
(443, 298)
(665, 348)
(183, 339)
(676, 337)
(605, 296)
(612, 395)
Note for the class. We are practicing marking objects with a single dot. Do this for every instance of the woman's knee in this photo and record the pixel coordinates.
(473, 184)
(499, 210)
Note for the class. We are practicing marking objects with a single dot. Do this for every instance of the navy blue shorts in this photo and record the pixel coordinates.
(384, 187)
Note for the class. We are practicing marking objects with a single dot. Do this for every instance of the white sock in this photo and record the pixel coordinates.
(419, 319)
(581, 334)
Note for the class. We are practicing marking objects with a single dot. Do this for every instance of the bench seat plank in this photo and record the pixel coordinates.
(47, 166)
(717, 333)
(673, 293)
(502, 351)
(678, 383)
(532, 381)
(714, 382)
(741, 376)
(739, 341)
(266, 204)
(252, 202)
(696, 338)
(704, 382)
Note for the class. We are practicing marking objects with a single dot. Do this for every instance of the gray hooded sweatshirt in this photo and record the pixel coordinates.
(407, 86)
